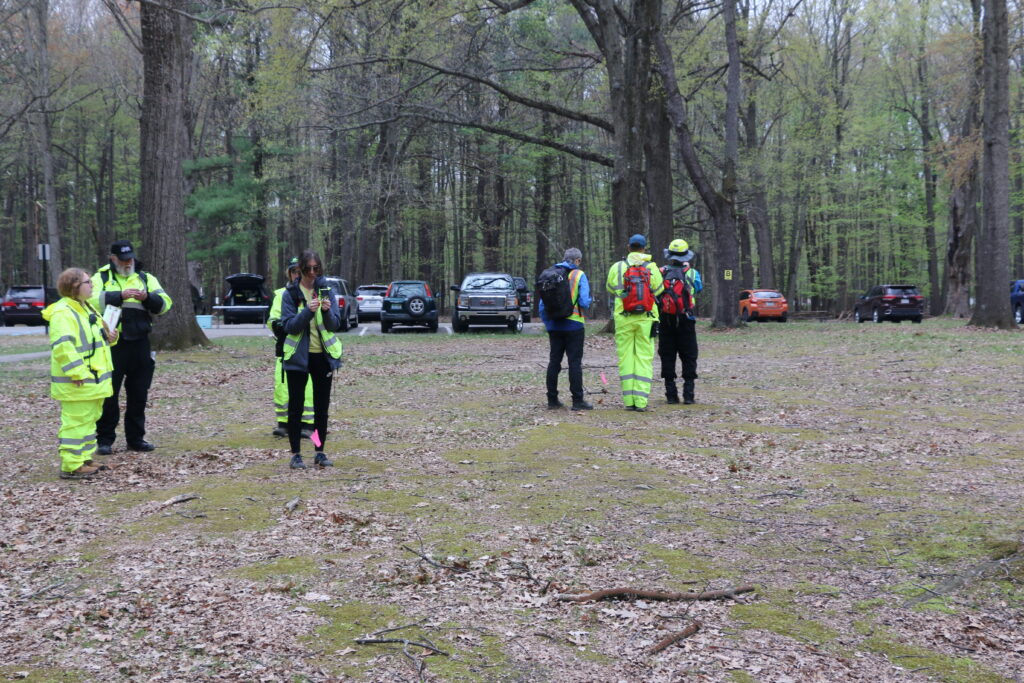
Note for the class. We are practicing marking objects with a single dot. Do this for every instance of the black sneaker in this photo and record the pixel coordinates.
(296, 463)
(582, 405)
(321, 460)
(104, 449)
(555, 405)
(688, 401)
(141, 446)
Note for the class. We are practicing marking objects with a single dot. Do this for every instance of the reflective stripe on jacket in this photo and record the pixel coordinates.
(296, 324)
(616, 273)
(78, 352)
(136, 316)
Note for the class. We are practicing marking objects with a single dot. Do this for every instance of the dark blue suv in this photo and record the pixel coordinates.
(1017, 300)
(408, 302)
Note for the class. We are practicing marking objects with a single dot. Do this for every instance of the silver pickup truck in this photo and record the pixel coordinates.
(487, 299)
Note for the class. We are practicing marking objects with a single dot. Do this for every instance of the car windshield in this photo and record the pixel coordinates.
(901, 291)
(34, 292)
(407, 289)
(489, 282)
(247, 295)
(767, 295)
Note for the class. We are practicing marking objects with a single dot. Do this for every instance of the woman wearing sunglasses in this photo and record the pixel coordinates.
(312, 352)
(80, 371)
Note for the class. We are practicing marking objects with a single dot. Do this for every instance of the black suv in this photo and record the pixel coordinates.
(346, 302)
(525, 297)
(25, 303)
(890, 302)
(408, 302)
(247, 299)
(487, 299)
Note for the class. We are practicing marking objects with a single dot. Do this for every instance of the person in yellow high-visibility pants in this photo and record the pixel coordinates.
(80, 371)
(636, 316)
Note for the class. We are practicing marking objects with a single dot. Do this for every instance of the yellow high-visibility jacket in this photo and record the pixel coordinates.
(79, 351)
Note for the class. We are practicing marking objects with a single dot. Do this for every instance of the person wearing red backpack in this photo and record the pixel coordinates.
(678, 320)
(635, 282)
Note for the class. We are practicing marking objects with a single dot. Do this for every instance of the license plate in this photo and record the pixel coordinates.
(904, 301)
(22, 305)
(769, 305)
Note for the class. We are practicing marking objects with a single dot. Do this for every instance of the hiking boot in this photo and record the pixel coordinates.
(296, 463)
(83, 472)
(104, 449)
(141, 446)
(671, 392)
(280, 431)
(555, 405)
(321, 460)
(582, 405)
(688, 393)
(642, 409)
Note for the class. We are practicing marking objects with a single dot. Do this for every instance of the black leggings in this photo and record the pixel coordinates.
(320, 372)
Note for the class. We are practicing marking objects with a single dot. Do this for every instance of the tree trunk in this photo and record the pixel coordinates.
(658, 173)
(38, 13)
(757, 210)
(935, 302)
(166, 139)
(992, 254)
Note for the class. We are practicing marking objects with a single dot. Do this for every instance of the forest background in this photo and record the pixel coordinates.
(815, 146)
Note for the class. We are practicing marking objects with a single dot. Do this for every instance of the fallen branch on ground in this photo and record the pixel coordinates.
(403, 641)
(185, 497)
(674, 637)
(632, 593)
(425, 558)
(292, 504)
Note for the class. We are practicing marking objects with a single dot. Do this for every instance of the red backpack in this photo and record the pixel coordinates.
(677, 299)
(636, 282)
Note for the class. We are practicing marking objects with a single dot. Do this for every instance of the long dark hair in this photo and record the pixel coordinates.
(307, 256)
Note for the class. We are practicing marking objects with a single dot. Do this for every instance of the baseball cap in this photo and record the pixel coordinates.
(122, 249)
(638, 241)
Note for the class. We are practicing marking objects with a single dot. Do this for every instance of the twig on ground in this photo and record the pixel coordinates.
(44, 590)
(631, 593)
(404, 641)
(185, 497)
(674, 637)
(433, 563)
(292, 504)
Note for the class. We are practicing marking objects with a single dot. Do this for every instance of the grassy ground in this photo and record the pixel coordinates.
(865, 478)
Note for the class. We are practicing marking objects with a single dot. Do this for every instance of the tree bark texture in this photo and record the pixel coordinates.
(992, 253)
(166, 138)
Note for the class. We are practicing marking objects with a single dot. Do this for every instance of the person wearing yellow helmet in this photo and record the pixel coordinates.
(677, 309)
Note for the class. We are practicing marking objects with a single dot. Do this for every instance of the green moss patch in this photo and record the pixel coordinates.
(947, 668)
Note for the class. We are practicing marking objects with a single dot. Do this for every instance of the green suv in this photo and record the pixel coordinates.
(408, 302)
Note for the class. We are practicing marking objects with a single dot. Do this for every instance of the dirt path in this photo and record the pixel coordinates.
(866, 479)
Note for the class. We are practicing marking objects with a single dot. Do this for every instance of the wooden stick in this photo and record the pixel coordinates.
(633, 593)
(185, 497)
(674, 637)
(379, 641)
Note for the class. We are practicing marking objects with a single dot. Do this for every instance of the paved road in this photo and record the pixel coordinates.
(247, 330)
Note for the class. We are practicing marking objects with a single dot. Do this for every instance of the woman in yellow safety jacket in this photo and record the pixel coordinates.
(80, 371)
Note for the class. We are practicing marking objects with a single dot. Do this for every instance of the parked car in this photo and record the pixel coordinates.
(525, 298)
(1017, 300)
(408, 302)
(346, 302)
(763, 304)
(247, 299)
(487, 299)
(25, 303)
(369, 299)
(890, 302)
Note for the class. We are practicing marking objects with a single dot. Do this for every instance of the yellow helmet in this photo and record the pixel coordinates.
(679, 250)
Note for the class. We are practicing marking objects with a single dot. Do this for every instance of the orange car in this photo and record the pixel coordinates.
(763, 304)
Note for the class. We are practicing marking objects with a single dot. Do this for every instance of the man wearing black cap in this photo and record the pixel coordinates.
(139, 296)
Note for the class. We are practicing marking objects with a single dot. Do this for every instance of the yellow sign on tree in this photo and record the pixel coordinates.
(728, 275)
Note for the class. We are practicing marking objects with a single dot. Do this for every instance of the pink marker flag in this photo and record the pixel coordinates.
(603, 378)
(315, 438)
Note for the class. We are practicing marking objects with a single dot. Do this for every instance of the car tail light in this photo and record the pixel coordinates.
(9, 304)
(889, 298)
(388, 292)
(359, 298)
(39, 304)
(427, 287)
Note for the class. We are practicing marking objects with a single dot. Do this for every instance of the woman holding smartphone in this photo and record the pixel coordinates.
(312, 352)
(80, 371)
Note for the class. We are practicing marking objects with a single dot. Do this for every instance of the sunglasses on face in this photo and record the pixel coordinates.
(310, 268)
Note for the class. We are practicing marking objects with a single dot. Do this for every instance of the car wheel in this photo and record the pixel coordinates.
(876, 316)
(344, 320)
(415, 306)
(457, 326)
(916, 320)
(856, 315)
(517, 326)
(527, 318)
(782, 318)
(432, 326)
(1018, 315)
(385, 327)
(745, 315)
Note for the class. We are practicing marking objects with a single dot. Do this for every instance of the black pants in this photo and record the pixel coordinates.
(678, 336)
(320, 373)
(566, 344)
(133, 366)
